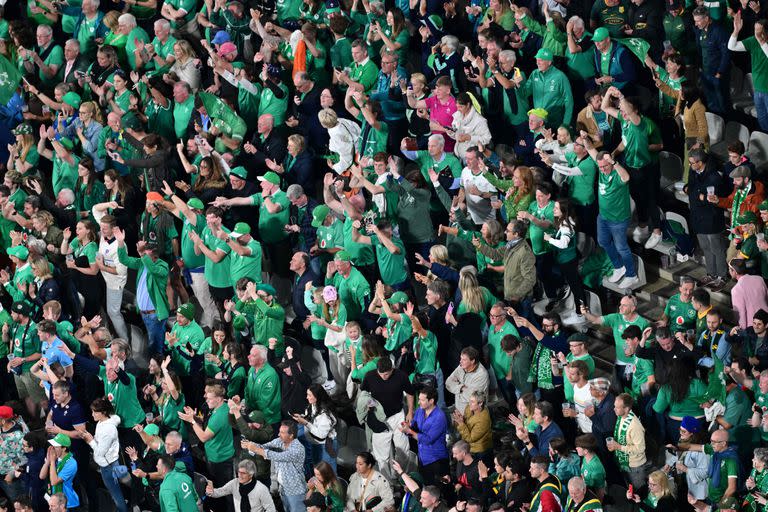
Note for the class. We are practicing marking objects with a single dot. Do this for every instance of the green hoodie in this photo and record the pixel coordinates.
(177, 492)
(157, 278)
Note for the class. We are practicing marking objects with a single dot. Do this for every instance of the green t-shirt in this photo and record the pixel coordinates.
(689, 406)
(425, 351)
(729, 468)
(89, 250)
(246, 266)
(170, 410)
(398, 332)
(353, 291)
(54, 58)
(186, 5)
(288, 9)
(759, 64)
(192, 260)
(593, 472)
(272, 225)
(681, 314)
(613, 197)
(372, 140)
(391, 266)
(360, 254)
(500, 361)
(182, 113)
(636, 139)
(220, 447)
(331, 236)
(582, 188)
(535, 233)
(761, 399)
(619, 324)
(365, 74)
(64, 173)
(341, 53)
(123, 398)
(87, 34)
(25, 342)
(217, 273)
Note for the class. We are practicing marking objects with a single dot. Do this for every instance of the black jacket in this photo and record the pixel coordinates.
(706, 218)
(272, 147)
(309, 124)
(297, 294)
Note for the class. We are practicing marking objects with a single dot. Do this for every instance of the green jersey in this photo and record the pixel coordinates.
(613, 197)
(535, 233)
(425, 353)
(217, 273)
(391, 265)
(124, 398)
(500, 361)
(618, 325)
(177, 492)
(268, 320)
(593, 472)
(262, 392)
(220, 447)
(729, 469)
(681, 314)
(636, 139)
(353, 291)
(64, 173)
(272, 225)
(192, 260)
(246, 266)
(182, 113)
(25, 342)
(360, 254)
(582, 188)
(398, 332)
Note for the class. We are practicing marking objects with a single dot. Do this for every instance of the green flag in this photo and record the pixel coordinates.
(637, 46)
(9, 80)
(716, 389)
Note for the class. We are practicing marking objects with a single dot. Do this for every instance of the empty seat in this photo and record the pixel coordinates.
(733, 131)
(716, 127)
(355, 443)
(737, 81)
(201, 482)
(671, 169)
(745, 98)
(757, 150)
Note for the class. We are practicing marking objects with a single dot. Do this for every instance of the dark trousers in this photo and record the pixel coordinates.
(643, 187)
(434, 471)
(220, 473)
(548, 273)
(570, 271)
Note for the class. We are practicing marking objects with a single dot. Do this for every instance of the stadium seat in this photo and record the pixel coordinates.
(733, 131)
(354, 443)
(757, 151)
(641, 278)
(716, 127)
(671, 169)
(745, 98)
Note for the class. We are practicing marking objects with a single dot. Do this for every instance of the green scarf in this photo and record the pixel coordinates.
(541, 369)
(620, 434)
(593, 505)
(738, 198)
(53, 489)
(761, 479)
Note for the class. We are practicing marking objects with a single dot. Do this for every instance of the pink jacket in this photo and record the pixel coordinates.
(749, 295)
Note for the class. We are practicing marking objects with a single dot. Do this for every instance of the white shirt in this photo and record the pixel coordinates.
(479, 208)
(582, 398)
(109, 252)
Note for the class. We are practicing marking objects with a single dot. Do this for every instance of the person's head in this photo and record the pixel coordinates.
(701, 18)
(299, 262)
(623, 404)
(700, 299)
(629, 107)
(435, 145)
(628, 305)
(539, 467)
(438, 293)
(469, 358)
(543, 60)
(60, 392)
(464, 106)
(44, 35)
(257, 356)
(577, 489)
(364, 463)
(516, 230)
(602, 39)
(71, 49)
(101, 409)
(359, 51)
(760, 321)
(497, 315)
(430, 497)
(173, 442)
(181, 91)
(543, 412)
(165, 464)
(536, 119)
(586, 444)
(22, 503)
(384, 368)
(58, 502)
(658, 484)
(460, 450)
(737, 268)
(443, 87)
(714, 320)
(760, 459)
(577, 371)
(604, 162)
(427, 398)
(215, 393)
(246, 470)
(550, 323)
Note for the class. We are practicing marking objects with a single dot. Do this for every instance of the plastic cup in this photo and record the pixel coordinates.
(150, 417)
(710, 191)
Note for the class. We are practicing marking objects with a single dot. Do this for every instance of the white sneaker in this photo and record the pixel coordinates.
(628, 282)
(618, 273)
(639, 233)
(682, 258)
(653, 240)
(329, 385)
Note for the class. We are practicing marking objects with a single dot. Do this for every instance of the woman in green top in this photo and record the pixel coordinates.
(673, 75)
(119, 98)
(660, 497)
(23, 155)
(564, 242)
(491, 234)
(525, 406)
(212, 348)
(81, 260)
(115, 37)
(89, 191)
(372, 352)
(395, 34)
(326, 483)
(681, 396)
(565, 463)
(170, 401)
(313, 11)
(498, 12)
(519, 191)
(757, 481)
(233, 369)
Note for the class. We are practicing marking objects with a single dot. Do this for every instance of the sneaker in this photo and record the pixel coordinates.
(618, 273)
(653, 240)
(329, 385)
(628, 282)
(639, 233)
(682, 258)
(704, 281)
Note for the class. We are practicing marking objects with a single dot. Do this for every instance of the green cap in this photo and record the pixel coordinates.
(68, 143)
(152, 429)
(398, 298)
(544, 54)
(196, 204)
(748, 217)
(538, 112)
(239, 171)
(433, 22)
(271, 177)
(763, 206)
(19, 251)
(130, 120)
(578, 337)
(72, 99)
(61, 440)
(257, 416)
(264, 287)
(23, 129)
(239, 323)
(319, 214)
(342, 256)
(601, 34)
(187, 311)
(241, 228)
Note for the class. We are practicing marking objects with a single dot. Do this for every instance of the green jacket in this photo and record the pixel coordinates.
(262, 392)
(257, 435)
(177, 492)
(519, 268)
(157, 278)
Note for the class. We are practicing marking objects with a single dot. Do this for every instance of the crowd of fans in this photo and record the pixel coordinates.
(324, 255)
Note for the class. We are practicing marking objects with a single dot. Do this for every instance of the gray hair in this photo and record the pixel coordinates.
(461, 445)
(60, 496)
(36, 244)
(248, 466)
(437, 138)
(73, 42)
(507, 55)
(68, 196)
(174, 434)
(480, 396)
(46, 28)
(122, 346)
(450, 41)
(262, 351)
(328, 118)
(578, 482)
(294, 191)
(163, 23)
(127, 19)
(577, 21)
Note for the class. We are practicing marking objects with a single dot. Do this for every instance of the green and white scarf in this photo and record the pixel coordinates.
(541, 367)
(620, 435)
(738, 198)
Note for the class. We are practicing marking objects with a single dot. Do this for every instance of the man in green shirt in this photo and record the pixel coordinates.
(274, 213)
(47, 57)
(754, 46)
(183, 106)
(549, 89)
(268, 317)
(390, 252)
(679, 314)
(723, 481)
(500, 360)
(21, 335)
(363, 73)
(330, 234)
(245, 258)
(120, 390)
(211, 244)
(186, 334)
(177, 491)
(262, 389)
(22, 277)
(354, 290)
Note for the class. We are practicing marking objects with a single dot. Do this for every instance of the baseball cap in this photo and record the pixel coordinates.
(221, 37)
(154, 196)
(342, 256)
(544, 54)
(19, 251)
(271, 177)
(578, 337)
(241, 228)
(67, 143)
(239, 323)
(61, 440)
(330, 293)
(264, 287)
(600, 383)
(763, 206)
(319, 214)
(195, 204)
(434, 23)
(691, 424)
(6, 412)
(72, 99)
(601, 34)
(227, 48)
(152, 429)
(398, 298)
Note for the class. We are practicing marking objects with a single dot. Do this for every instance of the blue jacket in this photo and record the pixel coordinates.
(543, 437)
(432, 430)
(712, 44)
(621, 66)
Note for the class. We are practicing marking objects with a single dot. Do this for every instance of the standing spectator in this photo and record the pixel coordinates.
(177, 491)
(470, 376)
(262, 389)
(12, 432)
(60, 469)
(712, 45)
(754, 46)
(248, 494)
(549, 89)
(368, 489)
(750, 294)
(549, 489)
(628, 442)
(106, 448)
(287, 456)
(723, 473)
(429, 427)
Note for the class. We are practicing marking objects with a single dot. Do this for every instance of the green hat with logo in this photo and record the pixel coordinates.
(23, 129)
(319, 214)
(398, 298)
(578, 337)
(61, 440)
(544, 54)
(239, 171)
(342, 256)
(748, 217)
(601, 34)
(187, 311)
(241, 228)
(19, 251)
(68, 143)
(271, 177)
(152, 429)
(538, 112)
(196, 204)
(264, 287)
(72, 99)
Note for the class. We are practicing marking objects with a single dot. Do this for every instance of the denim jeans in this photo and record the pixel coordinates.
(319, 453)
(293, 502)
(612, 236)
(114, 301)
(761, 104)
(113, 486)
(155, 332)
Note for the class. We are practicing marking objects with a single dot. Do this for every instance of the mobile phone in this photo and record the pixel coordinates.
(450, 308)
(631, 489)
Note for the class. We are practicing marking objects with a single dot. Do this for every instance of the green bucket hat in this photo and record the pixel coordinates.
(319, 214)
(747, 217)
(23, 129)
(19, 251)
(152, 429)
(342, 256)
(271, 177)
(187, 311)
(239, 171)
(264, 287)
(601, 34)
